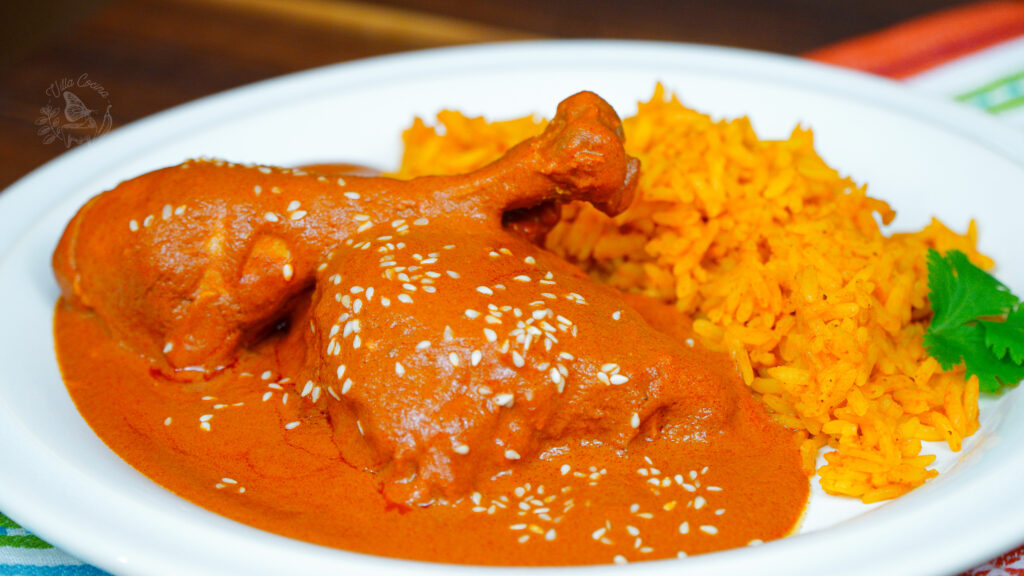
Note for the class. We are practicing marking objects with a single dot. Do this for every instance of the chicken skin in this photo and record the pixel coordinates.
(455, 348)
(443, 345)
(189, 263)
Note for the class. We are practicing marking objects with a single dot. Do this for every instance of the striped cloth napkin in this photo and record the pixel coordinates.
(972, 54)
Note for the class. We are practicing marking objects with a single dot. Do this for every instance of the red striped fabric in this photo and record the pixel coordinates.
(918, 45)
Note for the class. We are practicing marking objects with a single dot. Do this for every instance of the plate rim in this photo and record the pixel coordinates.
(787, 70)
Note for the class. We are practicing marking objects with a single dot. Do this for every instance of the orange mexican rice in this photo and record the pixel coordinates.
(780, 261)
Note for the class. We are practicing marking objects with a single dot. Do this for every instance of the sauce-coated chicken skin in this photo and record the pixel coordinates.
(188, 263)
(387, 366)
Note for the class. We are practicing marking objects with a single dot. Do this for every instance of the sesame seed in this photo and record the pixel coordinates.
(167, 211)
(599, 533)
(205, 417)
(475, 357)
(341, 181)
(453, 274)
(293, 205)
(504, 399)
(168, 347)
(356, 342)
(511, 454)
(404, 298)
(133, 226)
(267, 395)
(491, 335)
(699, 502)
(298, 215)
(291, 425)
(708, 529)
(385, 302)
(364, 226)
(517, 359)
(205, 426)
(270, 217)
(287, 271)
(617, 315)
(399, 369)
(617, 379)
(454, 359)
(167, 421)
(180, 210)
(423, 345)
(351, 195)
(257, 189)
(148, 220)
(346, 386)
(266, 375)
(522, 278)
(550, 535)
(307, 388)
(556, 377)
(529, 260)
(565, 469)
(634, 420)
(485, 290)
(461, 449)
(448, 336)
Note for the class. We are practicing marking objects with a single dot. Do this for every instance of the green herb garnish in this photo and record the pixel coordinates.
(977, 321)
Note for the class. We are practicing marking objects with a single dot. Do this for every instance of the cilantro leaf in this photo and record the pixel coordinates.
(965, 300)
(961, 292)
(1007, 337)
(967, 344)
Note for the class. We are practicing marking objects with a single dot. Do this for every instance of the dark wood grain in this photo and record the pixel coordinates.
(151, 54)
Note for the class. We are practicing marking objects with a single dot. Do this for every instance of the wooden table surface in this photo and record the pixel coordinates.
(150, 55)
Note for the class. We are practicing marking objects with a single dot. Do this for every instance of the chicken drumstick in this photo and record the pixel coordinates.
(188, 263)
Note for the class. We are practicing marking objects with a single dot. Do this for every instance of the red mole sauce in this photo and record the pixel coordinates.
(396, 368)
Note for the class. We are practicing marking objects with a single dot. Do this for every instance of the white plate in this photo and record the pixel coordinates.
(925, 157)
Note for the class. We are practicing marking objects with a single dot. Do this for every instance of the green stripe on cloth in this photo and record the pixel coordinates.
(997, 96)
(23, 541)
(18, 540)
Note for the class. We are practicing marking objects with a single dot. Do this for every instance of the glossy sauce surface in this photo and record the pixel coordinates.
(397, 368)
(576, 504)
